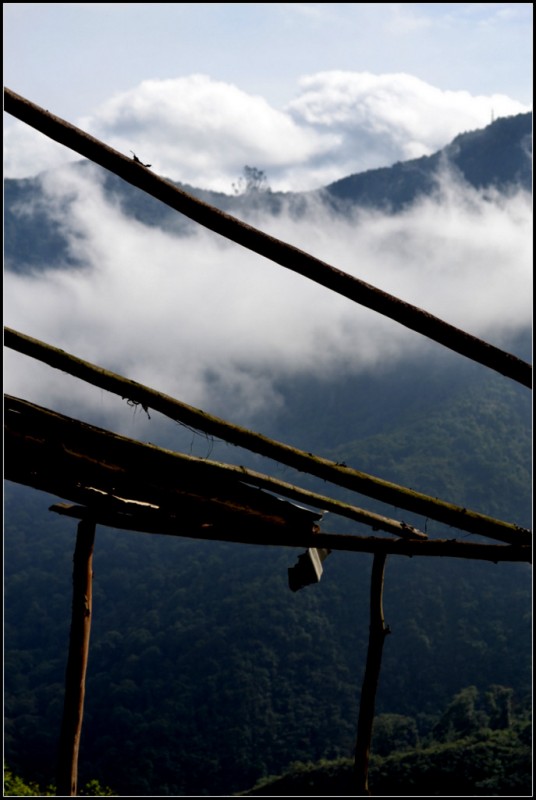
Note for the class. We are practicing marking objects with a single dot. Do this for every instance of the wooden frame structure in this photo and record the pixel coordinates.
(119, 482)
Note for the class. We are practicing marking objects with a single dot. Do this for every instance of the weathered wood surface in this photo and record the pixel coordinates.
(129, 517)
(135, 486)
(217, 471)
(339, 474)
(101, 469)
(271, 248)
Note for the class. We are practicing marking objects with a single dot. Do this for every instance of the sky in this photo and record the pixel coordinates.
(309, 93)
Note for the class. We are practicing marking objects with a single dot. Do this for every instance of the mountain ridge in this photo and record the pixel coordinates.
(473, 155)
(495, 156)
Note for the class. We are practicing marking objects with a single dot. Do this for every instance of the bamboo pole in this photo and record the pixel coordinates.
(339, 474)
(274, 249)
(75, 676)
(377, 633)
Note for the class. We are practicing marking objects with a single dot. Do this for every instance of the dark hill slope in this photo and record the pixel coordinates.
(497, 156)
(207, 673)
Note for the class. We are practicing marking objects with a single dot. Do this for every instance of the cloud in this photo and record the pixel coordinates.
(217, 326)
(203, 132)
(28, 152)
(381, 119)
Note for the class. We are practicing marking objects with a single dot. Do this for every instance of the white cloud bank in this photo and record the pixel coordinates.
(214, 325)
(201, 131)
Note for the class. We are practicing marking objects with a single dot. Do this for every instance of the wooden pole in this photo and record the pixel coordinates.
(377, 633)
(340, 474)
(135, 173)
(75, 676)
(131, 519)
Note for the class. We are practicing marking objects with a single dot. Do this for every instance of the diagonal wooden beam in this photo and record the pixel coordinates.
(341, 475)
(274, 249)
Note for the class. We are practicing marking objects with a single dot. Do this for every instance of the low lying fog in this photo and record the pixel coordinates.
(184, 315)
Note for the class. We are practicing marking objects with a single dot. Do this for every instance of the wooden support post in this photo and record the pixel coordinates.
(377, 633)
(75, 676)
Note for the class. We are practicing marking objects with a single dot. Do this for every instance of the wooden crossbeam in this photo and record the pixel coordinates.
(124, 518)
(339, 474)
(100, 469)
(122, 483)
(210, 470)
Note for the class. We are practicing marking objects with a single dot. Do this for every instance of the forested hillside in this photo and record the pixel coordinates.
(206, 673)
(477, 746)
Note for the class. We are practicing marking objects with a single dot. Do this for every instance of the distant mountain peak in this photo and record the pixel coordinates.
(498, 156)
